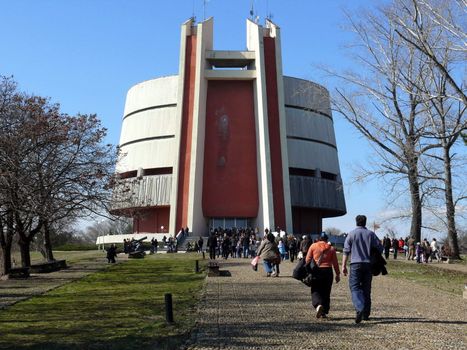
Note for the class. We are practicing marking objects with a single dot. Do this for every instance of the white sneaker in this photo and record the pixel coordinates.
(319, 311)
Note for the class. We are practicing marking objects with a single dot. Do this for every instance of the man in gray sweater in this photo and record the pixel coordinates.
(358, 245)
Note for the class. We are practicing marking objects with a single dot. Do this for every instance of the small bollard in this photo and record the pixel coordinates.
(196, 266)
(169, 316)
(203, 255)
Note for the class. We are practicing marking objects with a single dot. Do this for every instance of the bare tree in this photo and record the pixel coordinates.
(7, 97)
(432, 27)
(447, 117)
(385, 105)
(437, 30)
(118, 226)
(334, 231)
(72, 170)
(16, 194)
(54, 166)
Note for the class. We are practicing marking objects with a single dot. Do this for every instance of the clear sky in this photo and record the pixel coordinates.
(86, 54)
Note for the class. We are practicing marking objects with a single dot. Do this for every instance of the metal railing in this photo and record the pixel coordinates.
(147, 191)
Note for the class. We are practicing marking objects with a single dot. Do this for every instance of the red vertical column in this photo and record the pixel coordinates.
(186, 133)
(274, 131)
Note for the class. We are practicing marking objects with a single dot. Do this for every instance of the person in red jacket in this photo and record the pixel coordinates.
(325, 257)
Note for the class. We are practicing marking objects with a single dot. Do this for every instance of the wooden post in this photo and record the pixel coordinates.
(169, 316)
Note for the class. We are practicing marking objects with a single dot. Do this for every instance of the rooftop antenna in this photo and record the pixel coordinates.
(253, 16)
(193, 16)
(204, 9)
(269, 15)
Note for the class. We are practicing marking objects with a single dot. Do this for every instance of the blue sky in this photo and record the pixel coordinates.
(86, 54)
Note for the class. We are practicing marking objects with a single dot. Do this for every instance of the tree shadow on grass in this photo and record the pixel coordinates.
(123, 343)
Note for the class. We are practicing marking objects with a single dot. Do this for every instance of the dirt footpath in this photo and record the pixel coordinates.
(250, 311)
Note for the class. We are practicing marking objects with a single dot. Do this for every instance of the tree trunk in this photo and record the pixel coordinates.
(416, 224)
(47, 244)
(450, 207)
(25, 253)
(6, 240)
(5, 259)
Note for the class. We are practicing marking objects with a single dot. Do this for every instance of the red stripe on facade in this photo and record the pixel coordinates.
(274, 131)
(186, 134)
(230, 178)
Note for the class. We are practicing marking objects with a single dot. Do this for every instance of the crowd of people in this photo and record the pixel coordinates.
(246, 243)
(421, 252)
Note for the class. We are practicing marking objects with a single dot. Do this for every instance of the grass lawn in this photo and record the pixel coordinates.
(121, 307)
(70, 256)
(429, 275)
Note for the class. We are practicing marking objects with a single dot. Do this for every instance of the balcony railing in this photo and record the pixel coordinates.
(312, 192)
(147, 191)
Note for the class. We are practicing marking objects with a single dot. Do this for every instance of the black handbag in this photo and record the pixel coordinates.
(304, 272)
(312, 267)
(299, 272)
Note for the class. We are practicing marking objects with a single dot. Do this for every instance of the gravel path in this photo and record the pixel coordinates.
(250, 311)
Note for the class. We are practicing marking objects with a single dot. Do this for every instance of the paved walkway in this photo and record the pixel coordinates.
(250, 311)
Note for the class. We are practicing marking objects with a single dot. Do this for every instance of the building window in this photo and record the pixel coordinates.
(228, 223)
(328, 176)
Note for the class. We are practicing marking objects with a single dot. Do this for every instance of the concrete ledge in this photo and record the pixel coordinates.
(17, 272)
(47, 267)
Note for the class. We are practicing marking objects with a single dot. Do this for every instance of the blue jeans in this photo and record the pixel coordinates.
(246, 252)
(267, 266)
(360, 287)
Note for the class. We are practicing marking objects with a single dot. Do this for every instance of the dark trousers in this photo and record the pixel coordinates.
(360, 287)
(276, 268)
(386, 253)
(212, 252)
(292, 255)
(321, 288)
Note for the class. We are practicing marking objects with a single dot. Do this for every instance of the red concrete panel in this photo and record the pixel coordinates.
(151, 220)
(230, 181)
(186, 132)
(274, 131)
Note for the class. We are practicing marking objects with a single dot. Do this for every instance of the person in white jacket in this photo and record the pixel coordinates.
(434, 250)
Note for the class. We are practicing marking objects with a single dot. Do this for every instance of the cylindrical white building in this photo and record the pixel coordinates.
(228, 142)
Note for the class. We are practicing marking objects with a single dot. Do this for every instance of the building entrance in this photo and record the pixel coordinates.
(227, 223)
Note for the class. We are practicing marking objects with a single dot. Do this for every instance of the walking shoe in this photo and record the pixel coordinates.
(358, 317)
(268, 274)
(273, 274)
(319, 311)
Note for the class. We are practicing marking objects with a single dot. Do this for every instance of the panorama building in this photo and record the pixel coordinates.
(229, 141)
